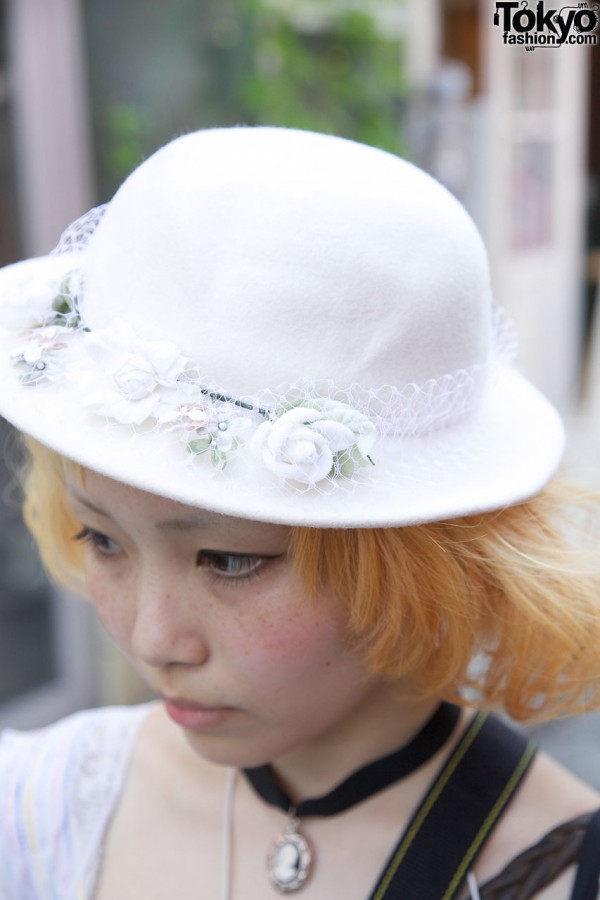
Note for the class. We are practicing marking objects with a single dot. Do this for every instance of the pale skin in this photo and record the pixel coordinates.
(210, 610)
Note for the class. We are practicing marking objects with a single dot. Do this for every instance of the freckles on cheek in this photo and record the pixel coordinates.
(295, 643)
(112, 616)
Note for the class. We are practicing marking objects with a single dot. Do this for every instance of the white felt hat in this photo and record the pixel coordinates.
(278, 325)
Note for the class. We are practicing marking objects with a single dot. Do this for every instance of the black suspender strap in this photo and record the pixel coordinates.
(458, 814)
(587, 882)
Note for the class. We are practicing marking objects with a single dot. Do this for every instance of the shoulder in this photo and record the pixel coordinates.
(71, 752)
(59, 785)
(549, 797)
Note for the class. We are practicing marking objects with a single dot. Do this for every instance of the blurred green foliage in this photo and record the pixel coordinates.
(126, 126)
(344, 78)
(157, 70)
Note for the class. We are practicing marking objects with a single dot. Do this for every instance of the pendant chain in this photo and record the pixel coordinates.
(290, 860)
(281, 878)
(293, 823)
(227, 838)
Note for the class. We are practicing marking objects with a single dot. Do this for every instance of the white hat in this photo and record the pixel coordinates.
(279, 325)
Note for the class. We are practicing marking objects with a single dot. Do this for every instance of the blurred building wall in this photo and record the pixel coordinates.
(48, 640)
(50, 118)
(507, 130)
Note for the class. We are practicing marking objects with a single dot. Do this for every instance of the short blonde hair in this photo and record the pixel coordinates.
(498, 609)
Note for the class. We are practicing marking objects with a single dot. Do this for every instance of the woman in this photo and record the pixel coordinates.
(275, 433)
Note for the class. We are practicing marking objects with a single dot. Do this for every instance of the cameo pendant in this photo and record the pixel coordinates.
(289, 862)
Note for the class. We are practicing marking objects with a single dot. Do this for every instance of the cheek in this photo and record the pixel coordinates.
(111, 611)
(302, 642)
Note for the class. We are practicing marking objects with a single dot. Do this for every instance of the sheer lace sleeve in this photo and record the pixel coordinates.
(58, 790)
(539, 865)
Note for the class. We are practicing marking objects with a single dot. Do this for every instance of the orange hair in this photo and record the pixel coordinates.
(498, 609)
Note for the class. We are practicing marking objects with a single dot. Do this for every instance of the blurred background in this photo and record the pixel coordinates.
(88, 88)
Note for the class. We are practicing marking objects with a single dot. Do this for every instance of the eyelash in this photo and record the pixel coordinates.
(214, 560)
(210, 559)
(98, 541)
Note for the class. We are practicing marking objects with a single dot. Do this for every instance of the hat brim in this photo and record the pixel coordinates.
(502, 453)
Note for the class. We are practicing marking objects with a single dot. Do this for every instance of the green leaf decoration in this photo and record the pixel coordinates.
(65, 307)
(200, 445)
(59, 304)
(356, 421)
(293, 404)
(348, 461)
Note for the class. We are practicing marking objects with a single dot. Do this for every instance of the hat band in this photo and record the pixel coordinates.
(302, 434)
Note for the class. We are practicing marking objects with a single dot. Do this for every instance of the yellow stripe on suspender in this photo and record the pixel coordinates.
(491, 819)
(430, 801)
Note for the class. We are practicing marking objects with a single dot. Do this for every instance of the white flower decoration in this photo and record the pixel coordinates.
(223, 433)
(227, 433)
(31, 305)
(137, 382)
(127, 379)
(186, 418)
(37, 353)
(307, 444)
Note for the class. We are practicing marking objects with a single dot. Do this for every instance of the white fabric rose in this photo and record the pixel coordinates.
(128, 379)
(363, 429)
(305, 442)
(137, 382)
(134, 377)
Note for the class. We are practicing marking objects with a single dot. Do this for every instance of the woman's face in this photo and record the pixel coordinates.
(213, 616)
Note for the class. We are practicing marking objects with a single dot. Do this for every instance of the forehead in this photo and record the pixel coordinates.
(121, 502)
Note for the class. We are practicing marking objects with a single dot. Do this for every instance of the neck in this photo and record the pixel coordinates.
(388, 722)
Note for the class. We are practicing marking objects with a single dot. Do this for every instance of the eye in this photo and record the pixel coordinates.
(100, 543)
(233, 566)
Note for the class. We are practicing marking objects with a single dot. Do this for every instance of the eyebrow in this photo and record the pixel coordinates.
(193, 522)
(188, 523)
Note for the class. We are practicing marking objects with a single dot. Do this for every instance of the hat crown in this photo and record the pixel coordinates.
(282, 326)
(270, 256)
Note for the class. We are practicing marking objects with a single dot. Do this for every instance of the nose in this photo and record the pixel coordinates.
(168, 627)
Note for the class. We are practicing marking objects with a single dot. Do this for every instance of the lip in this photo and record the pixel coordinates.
(195, 716)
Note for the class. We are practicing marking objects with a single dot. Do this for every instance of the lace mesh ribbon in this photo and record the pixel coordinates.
(304, 433)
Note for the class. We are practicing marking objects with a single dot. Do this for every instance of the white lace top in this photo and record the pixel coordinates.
(59, 787)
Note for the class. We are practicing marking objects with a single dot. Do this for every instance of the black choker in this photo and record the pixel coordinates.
(290, 860)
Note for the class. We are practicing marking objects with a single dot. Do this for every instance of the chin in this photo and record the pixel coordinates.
(239, 753)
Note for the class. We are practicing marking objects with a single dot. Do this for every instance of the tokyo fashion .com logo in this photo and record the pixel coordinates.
(547, 27)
